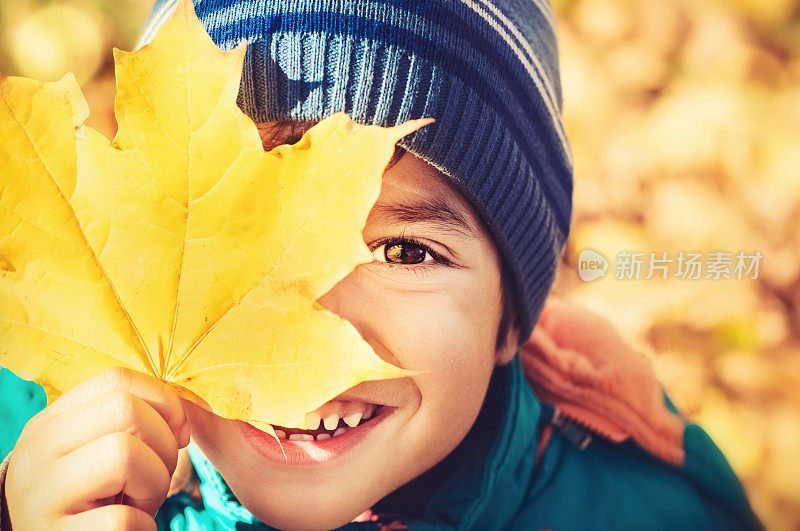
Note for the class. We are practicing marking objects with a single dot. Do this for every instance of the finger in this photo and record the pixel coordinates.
(109, 517)
(150, 389)
(118, 462)
(182, 474)
(117, 412)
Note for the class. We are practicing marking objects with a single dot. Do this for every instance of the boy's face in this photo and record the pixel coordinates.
(429, 302)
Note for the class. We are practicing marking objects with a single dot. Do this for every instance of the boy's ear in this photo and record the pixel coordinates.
(509, 349)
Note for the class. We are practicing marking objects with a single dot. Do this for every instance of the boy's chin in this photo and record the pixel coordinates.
(327, 496)
(304, 522)
(314, 513)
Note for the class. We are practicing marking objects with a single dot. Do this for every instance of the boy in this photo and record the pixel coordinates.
(466, 234)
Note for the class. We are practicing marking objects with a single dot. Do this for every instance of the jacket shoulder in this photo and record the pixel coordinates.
(647, 465)
(616, 486)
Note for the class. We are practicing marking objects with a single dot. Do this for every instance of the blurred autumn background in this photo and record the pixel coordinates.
(685, 123)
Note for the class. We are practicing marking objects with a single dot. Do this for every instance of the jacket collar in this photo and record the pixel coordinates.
(490, 469)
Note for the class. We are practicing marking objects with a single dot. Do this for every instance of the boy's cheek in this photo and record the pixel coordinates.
(447, 336)
(455, 388)
(455, 364)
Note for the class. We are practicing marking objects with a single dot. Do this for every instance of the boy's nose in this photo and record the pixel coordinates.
(350, 299)
(346, 300)
(331, 300)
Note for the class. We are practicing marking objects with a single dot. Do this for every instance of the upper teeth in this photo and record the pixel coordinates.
(353, 420)
(331, 421)
(312, 421)
(336, 410)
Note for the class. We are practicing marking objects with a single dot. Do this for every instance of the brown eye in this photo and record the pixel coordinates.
(402, 253)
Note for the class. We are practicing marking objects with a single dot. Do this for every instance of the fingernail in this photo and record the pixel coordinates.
(186, 434)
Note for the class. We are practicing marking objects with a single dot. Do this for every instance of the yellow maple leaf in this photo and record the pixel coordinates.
(183, 249)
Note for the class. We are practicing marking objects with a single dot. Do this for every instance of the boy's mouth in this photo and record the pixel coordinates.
(331, 420)
(331, 430)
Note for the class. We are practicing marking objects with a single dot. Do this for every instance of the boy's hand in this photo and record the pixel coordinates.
(117, 432)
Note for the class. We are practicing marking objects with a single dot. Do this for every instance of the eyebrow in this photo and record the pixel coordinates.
(434, 210)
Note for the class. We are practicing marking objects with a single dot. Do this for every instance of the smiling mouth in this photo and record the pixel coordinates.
(331, 431)
(333, 424)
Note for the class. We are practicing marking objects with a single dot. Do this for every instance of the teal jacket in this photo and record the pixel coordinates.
(494, 479)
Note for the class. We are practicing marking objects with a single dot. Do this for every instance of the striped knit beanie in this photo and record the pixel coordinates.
(486, 70)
